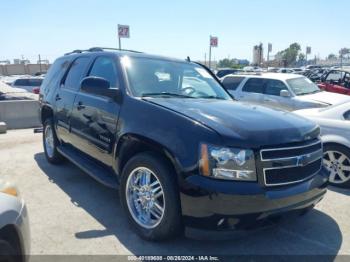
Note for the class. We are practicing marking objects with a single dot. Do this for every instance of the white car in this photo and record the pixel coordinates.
(335, 131)
(282, 91)
(14, 225)
(29, 84)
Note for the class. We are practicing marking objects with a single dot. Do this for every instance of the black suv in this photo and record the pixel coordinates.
(181, 151)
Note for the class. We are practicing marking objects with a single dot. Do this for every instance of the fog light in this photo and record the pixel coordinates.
(242, 175)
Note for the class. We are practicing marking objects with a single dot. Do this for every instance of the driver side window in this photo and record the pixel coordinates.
(274, 87)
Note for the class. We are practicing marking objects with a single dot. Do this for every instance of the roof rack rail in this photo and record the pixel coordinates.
(99, 49)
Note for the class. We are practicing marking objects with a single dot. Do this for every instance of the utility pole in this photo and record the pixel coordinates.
(205, 59)
(40, 63)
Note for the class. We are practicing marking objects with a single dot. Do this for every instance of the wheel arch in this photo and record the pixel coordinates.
(46, 112)
(130, 144)
(335, 140)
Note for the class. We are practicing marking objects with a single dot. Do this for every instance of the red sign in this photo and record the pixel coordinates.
(214, 41)
(123, 31)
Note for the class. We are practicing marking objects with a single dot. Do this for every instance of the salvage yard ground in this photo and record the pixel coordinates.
(70, 213)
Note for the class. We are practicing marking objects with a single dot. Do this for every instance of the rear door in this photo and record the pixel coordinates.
(252, 91)
(272, 96)
(64, 98)
(94, 119)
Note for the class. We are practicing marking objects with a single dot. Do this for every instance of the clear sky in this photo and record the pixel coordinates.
(176, 28)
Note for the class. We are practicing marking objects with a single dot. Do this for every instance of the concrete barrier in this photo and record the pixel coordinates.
(20, 113)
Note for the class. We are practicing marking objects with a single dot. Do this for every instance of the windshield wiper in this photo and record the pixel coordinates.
(308, 93)
(212, 97)
(166, 94)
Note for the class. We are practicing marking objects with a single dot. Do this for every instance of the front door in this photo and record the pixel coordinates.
(94, 120)
(272, 96)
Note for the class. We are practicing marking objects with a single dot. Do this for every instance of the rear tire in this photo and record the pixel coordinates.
(337, 161)
(153, 216)
(51, 142)
(7, 252)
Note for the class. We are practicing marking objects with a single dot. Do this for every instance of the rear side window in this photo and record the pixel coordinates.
(231, 83)
(55, 73)
(254, 85)
(21, 82)
(105, 67)
(76, 73)
(274, 87)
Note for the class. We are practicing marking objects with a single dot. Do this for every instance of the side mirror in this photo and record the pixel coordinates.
(284, 93)
(98, 86)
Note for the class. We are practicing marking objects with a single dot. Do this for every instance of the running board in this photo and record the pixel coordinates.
(90, 167)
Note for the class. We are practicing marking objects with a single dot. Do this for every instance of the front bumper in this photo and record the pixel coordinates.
(223, 205)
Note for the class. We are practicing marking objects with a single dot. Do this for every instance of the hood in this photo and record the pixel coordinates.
(326, 97)
(241, 124)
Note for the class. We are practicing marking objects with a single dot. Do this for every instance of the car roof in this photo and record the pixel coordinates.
(276, 76)
(123, 53)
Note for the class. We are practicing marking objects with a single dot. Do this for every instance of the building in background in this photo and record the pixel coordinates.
(258, 55)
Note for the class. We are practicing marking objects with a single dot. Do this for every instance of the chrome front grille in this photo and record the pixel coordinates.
(292, 164)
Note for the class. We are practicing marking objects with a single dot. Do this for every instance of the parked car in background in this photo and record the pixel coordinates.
(285, 71)
(337, 81)
(28, 84)
(221, 72)
(283, 91)
(181, 151)
(335, 131)
(14, 225)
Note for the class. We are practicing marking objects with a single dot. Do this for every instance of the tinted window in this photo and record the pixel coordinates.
(274, 87)
(76, 72)
(35, 82)
(231, 83)
(55, 73)
(254, 85)
(21, 82)
(105, 67)
(347, 115)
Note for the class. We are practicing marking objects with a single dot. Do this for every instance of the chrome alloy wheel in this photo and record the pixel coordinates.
(145, 197)
(338, 164)
(49, 141)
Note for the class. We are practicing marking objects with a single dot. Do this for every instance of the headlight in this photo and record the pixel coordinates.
(227, 163)
(8, 188)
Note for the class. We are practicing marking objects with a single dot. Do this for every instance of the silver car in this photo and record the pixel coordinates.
(14, 227)
(283, 91)
(335, 131)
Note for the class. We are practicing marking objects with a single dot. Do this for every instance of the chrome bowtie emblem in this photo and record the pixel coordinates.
(302, 160)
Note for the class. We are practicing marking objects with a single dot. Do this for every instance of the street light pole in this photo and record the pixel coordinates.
(210, 54)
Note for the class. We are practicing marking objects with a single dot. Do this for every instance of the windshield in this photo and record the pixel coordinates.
(156, 77)
(302, 86)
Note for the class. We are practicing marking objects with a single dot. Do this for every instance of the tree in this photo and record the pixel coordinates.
(226, 63)
(301, 57)
(290, 55)
(331, 57)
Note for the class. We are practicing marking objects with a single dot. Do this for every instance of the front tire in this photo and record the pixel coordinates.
(337, 161)
(149, 196)
(50, 143)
